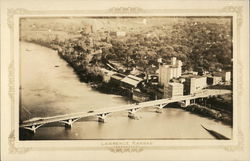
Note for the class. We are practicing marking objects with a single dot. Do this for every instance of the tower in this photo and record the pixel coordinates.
(165, 74)
(173, 61)
(179, 66)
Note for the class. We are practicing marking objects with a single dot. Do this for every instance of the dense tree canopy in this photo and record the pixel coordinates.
(206, 44)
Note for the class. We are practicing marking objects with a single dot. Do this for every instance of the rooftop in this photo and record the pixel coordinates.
(132, 80)
(118, 76)
(175, 84)
(134, 77)
(219, 74)
(191, 76)
(168, 66)
(107, 72)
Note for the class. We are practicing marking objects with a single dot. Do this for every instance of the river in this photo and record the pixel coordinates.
(49, 86)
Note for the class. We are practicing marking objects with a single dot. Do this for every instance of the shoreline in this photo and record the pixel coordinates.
(96, 82)
(210, 113)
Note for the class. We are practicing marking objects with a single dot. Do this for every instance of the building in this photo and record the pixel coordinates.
(217, 80)
(189, 86)
(106, 74)
(152, 75)
(179, 65)
(220, 77)
(214, 80)
(153, 79)
(130, 81)
(139, 96)
(200, 82)
(120, 33)
(116, 78)
(167, 72)
(117, 33)
(227, 77)
(194, 83)
(173, 90)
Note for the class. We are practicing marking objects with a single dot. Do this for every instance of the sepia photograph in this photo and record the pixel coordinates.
(126, 78)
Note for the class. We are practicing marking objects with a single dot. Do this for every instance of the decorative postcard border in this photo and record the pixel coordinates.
(120, 11)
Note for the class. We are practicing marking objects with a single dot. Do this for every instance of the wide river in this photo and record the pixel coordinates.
(49, 86)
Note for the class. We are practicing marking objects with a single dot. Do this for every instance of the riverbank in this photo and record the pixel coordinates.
(91, 74)
(49, 91)
(97, 83)
(224, 117)
(87, 72)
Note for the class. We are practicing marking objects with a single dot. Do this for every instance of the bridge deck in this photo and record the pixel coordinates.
(45, 120)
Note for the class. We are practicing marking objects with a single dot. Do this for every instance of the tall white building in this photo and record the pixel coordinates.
(167, 72)
(179, 64)
(227, 76)
(173, 61)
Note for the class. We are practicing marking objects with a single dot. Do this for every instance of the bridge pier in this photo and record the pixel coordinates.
(185, 103)
(102, 117)
(192, 101)
(33, 128)
(159, 108)
(69, 123)
(131, 112)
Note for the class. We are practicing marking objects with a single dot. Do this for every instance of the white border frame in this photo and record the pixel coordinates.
(231, 148)
(157, 143)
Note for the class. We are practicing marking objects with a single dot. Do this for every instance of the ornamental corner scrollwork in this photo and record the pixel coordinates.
(12, 147)
(235, 9)
(11, 79)
(239, 146)
(10, 15)
(125, 10)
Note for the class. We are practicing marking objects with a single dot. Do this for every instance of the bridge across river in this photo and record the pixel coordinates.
(69, 119)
